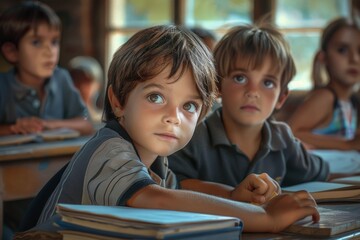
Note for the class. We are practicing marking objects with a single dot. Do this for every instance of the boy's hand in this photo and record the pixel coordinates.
(27, 125)
(256, 188)
(286, 209)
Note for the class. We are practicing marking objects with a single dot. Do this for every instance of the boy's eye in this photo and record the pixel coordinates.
(55, 42)
(191, 107)
(269, 84)
(342, 50)
(240, 79)
(155, 98)
(35, 42)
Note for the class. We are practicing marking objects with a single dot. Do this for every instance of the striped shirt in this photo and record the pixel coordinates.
(107, 171)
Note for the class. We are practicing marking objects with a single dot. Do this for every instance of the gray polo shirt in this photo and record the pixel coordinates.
(62, 99)
(107, 171)
(210, 156)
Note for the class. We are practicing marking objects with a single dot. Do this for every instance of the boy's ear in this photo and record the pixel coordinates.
(114, 102)
(10, 52)
(282, 98)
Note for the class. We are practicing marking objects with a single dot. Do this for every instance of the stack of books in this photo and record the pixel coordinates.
(118, 222)
(339, 207)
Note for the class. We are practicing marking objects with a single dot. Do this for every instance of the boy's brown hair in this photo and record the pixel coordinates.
(15, 22)
(253, 43)
(149, 52)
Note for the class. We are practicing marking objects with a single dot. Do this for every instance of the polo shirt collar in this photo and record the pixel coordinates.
(21, 90)
(272, 139)
(216, 129)
(115, 125)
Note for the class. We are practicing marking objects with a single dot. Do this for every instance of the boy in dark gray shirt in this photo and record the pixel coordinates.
(254, 66)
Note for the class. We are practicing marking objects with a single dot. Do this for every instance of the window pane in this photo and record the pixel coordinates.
(115, 41)
(213, 14)
(139, 13)
(309, 13)
(303, 48)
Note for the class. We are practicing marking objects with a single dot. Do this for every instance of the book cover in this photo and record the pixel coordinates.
(333, 221)
(74, 232)
(354, 180)
(152, 223)
(328, 191)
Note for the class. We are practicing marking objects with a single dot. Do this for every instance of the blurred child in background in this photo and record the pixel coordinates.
(36, 94)
(87, 75)
(329, 117)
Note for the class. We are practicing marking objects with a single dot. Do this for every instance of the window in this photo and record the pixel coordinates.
(129, 16)
(216, 14)
(302, 22)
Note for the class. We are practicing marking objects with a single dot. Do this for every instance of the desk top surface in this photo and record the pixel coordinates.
(42, 149)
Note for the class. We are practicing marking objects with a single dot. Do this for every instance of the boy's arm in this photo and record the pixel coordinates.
(255, 188)
(29, 125)
(275, 216)
(5, 129)
(316, 141)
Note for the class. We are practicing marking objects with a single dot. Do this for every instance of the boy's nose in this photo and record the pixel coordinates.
(252, 94)
(355, 56)
(172, 115)
(252, 91)
(49, 49)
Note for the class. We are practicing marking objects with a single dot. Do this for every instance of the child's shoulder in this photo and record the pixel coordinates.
(8, 74)
(61, 72)
(61, 79)
(278, 125)
(321, 95)
(280, 128)
(322, 99)
(6, 80)
(108, 137)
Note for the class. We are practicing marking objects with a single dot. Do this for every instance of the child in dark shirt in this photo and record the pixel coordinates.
(240, 139)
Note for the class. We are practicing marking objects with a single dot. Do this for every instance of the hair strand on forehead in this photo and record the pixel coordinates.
(253, 43)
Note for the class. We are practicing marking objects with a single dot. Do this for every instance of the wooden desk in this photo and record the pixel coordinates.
(353, 234)
(24, 169)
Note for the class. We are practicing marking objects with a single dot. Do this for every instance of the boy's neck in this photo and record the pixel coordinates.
(31, 81)
(35, 83)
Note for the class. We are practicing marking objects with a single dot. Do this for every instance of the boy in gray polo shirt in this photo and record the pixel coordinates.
(254, 66)
(161, 83)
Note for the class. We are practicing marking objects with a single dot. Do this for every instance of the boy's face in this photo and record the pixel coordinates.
(38, 53)
(249, 96)
(161, 115)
